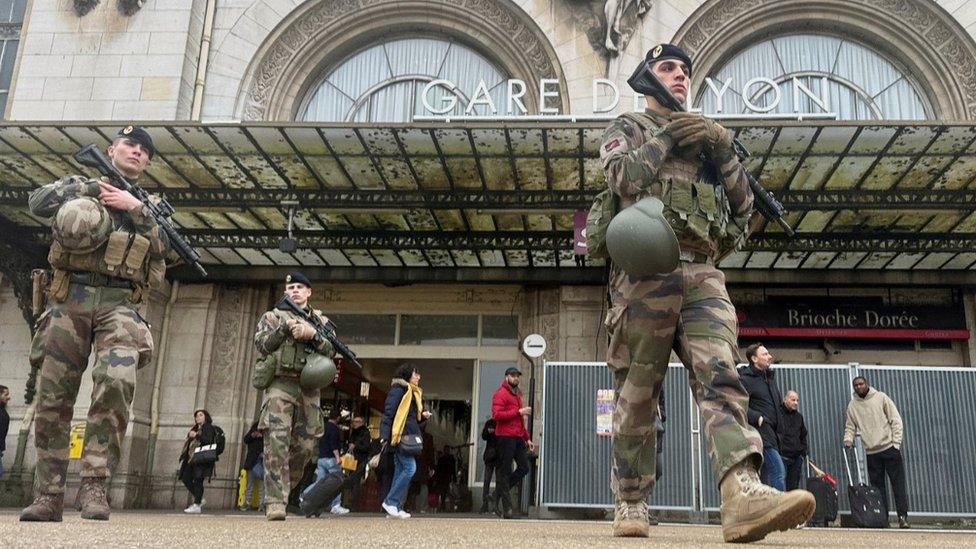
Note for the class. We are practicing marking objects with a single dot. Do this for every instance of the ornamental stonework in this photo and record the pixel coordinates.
(945, 38)
(310, 25)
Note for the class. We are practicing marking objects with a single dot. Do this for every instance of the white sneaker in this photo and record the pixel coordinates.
(391, 511)
(193, 509)
(340, 510)
(404, 514)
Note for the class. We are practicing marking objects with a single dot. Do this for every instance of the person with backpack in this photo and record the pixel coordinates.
(198, 457)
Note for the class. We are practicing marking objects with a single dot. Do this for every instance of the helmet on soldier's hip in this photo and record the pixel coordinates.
(640, 240)
(318, 373)
(82, 224)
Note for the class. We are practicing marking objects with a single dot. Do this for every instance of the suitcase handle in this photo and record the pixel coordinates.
(857, 463)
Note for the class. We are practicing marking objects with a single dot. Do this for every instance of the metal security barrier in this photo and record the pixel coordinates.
(935, 404)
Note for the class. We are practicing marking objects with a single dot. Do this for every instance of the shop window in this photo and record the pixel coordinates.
(439, 330)
(861, 83)
(935, 344)
(385, 82)
(365, 329)
(11, 21)
(499, 331)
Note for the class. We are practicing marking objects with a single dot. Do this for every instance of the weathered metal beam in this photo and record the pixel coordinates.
(563, 200)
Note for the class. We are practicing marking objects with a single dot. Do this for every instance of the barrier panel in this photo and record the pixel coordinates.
(935, 403)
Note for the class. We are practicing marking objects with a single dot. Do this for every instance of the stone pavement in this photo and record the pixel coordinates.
(245, 530)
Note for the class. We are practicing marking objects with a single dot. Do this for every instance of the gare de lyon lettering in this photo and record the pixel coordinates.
(607, 91)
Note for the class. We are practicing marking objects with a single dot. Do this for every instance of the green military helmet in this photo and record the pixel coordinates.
(82, 224)
(640, 240)
(319, 372)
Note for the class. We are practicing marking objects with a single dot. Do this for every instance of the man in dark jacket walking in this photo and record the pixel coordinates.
(359, 443)
(793, 439)
(765, 411)
(491, 462)
(513, 439)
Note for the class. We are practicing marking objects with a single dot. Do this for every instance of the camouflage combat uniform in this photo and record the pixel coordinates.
(101, 312)
(291, 417)
(687, 310)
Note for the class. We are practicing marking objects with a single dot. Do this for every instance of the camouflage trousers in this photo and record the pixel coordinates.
(291, 419)
(687, 310)
(66, 331)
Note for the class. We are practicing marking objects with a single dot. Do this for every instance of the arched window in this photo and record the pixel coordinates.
(385, 82)
(861, 84)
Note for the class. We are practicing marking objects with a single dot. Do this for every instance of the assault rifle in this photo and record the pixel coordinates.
(323, 330)
(160, 210)
(644, 81)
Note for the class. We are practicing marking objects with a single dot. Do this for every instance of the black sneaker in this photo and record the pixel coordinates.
(903, 522)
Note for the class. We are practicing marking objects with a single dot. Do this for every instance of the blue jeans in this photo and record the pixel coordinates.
(773, 472)
(323, 467)
(403, 469)
(254, 477)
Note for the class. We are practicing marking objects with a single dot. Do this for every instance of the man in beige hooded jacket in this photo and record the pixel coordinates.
(873, 415)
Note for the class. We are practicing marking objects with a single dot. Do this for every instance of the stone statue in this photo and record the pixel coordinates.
(619, 28)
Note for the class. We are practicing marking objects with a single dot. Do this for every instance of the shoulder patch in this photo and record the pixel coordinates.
(612, 145)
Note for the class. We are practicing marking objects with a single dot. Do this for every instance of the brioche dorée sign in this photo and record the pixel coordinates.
(852, 320)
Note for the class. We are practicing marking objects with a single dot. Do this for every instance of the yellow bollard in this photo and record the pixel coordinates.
(241, 488)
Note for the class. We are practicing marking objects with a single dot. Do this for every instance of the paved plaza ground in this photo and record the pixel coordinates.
(247, 530)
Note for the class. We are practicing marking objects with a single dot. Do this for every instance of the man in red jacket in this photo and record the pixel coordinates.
(513, 440)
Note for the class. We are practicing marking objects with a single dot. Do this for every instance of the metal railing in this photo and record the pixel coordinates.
(935, 404)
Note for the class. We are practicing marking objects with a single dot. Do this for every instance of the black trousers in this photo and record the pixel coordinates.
(889, 463)
(510, 449)
(192, 477)
(794, 471)
(489, 473)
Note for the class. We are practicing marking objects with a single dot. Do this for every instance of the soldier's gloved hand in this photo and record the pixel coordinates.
(301, 330)
(692, 128)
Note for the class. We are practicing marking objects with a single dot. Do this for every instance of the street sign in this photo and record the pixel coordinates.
(534, 345)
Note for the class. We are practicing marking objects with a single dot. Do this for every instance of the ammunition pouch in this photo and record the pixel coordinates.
(264, 372)
(124, 255)
(58, 290)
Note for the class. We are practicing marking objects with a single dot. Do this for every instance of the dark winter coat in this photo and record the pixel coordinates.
(765, 401)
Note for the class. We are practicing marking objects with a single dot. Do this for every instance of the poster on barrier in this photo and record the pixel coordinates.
(604, 412)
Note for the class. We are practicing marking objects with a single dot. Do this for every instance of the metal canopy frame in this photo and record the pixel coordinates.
(482, 194)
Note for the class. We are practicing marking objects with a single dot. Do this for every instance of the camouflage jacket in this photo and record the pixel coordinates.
(273, 334)
(640, 163)
(45, 201)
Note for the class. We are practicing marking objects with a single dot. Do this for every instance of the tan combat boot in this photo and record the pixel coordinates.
(630, 520)
(45, 508)
(750, 509)
(93, 500)
(275, 511)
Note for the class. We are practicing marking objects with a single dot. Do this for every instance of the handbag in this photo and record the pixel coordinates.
(349, 463)
(411, 445)
(204, 455)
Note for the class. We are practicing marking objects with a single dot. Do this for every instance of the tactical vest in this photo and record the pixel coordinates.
(291, 355)
(124, 255)
(694, 200)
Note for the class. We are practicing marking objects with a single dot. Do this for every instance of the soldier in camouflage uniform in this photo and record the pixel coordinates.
(291, 416)
(106, 253)
(659, 153)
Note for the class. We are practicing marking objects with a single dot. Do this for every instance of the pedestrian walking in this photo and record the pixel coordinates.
(4, 423)
(195, 466)
(793, 439)
(765, 411)
(402, 414)
(873, 415)
(330, 459)
(490, 458)
(514, 444)
(253, 464)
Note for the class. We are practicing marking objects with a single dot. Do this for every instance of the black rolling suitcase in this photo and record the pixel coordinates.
(867, 507)
(824, 490)
(322, 493)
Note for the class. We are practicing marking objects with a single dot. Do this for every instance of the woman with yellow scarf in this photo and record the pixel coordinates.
(402, 415)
